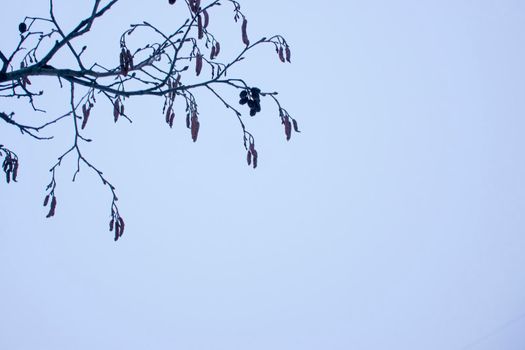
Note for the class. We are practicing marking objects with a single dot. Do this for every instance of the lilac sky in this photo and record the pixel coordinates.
(395, 220)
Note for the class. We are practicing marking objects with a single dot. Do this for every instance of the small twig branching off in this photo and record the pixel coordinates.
(160, 68)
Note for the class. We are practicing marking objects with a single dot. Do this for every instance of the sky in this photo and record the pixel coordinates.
(394, 220)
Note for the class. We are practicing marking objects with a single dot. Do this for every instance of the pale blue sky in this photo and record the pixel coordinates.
(393, 221)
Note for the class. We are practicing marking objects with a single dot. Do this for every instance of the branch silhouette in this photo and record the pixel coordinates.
(160, 68)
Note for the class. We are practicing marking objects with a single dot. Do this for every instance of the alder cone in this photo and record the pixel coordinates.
(22, 27)
(171, 2)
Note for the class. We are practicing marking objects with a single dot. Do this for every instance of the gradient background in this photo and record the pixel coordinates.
(395, 220)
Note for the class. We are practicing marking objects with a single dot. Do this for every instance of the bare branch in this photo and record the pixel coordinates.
(174, 65)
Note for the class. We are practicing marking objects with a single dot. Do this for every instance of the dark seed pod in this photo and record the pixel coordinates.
(15, 170)
(255, 91)
(129, 59)
(243, 94)
(287, 128)
(121, 224)
(52, 207)
(171, 2)
(243, 101)
(245, 39)
(195, 131)
(295, 127)
(252, 112)
(198, 64)
(206, 18)
(117, 231)
(46, 200)
(85, 114)
(177, 81)
(122, 60)
(195, 125)
(116, 110)
(281, 54)
(168, 114)
(255, 157)
(251, 103)
(22, 27)
(172, 118)
(199, 27)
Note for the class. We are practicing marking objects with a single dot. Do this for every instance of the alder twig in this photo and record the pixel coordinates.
(174, 65)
